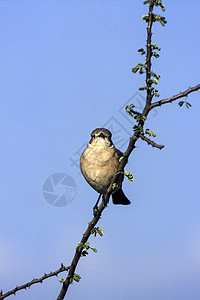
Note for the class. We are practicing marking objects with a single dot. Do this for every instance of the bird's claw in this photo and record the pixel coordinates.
(95, 210)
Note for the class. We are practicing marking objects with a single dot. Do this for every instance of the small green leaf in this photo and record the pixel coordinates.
(181, 103)
(156, 55)
(159, 3)
(77, 277)
(94, 249)
(156, 94)
(129, 110)
(160, 19)
(138, 129)
(61, 280)
(80, 247)
(136, 68)
(163, 21)
(137, 118)
(150, 133)
(100, 231)
(131, 106)
(143, 88)
(87, 245)
(155, 75)
(84, 253)
(143, 118)
(94, 231)
(187, 104)
(115, 185)
(155, 47)
(141, 71)
(162, 7)
(151, 81)
(129, 175)
(145, 18)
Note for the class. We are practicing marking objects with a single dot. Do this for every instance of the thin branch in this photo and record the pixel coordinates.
(135, 112)
(149, 54)
(123, 162)
(149, 142)
(148, 60)
(174, 98)
(35, 280)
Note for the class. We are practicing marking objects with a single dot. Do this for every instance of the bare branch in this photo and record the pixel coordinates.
(35, 280)
(178, 96)
(149, 142)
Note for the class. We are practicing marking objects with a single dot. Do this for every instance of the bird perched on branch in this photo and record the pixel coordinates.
(100, 162)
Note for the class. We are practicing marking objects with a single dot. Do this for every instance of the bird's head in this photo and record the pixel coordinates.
(101, 137)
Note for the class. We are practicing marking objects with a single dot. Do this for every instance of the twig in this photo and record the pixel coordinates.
(149, 54)
(35, 280)
(149, 142)
(135, 112)
(178, 96)
(148, 61)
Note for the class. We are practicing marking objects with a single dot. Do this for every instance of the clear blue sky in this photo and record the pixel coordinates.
(65, 70)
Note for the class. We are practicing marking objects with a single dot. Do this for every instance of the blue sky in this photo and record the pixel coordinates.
(66, 70)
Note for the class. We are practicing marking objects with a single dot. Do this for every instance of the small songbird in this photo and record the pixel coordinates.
(99, 163)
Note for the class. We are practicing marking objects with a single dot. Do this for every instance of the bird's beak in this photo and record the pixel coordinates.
(101, 135)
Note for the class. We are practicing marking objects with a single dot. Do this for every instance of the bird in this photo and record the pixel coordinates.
(99, 162)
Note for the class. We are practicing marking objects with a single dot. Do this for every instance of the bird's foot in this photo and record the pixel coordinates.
(95, 208)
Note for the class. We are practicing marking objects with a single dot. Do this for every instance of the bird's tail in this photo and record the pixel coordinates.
(119, 198)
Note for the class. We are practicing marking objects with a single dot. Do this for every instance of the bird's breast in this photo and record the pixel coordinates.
(98, 167)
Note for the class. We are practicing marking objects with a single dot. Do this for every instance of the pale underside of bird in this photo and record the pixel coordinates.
(100, 162)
